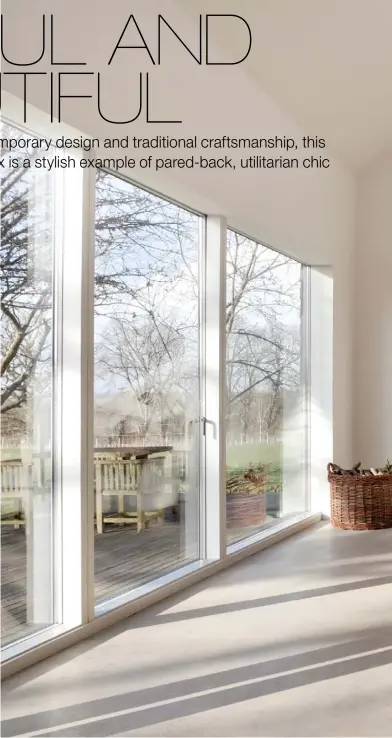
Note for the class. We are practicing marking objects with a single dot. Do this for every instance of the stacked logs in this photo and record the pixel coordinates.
(356, 470)
(251, 482)
(242, 485)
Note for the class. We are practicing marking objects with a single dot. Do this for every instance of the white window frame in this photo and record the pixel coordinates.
(77, 405)
(215, 387)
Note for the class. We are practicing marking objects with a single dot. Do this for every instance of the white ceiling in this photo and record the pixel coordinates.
(326, 62)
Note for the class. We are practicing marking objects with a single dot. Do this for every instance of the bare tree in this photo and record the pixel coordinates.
(141, 241)
(26, 285)
(263, 341)
(146, 303)
(134, 232)
(144, 354)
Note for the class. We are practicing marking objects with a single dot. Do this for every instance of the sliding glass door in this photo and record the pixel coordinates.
(27, 353)
(154, 393)
(266, 383)
(147, 387)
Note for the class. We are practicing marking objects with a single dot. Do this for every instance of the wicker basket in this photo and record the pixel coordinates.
(246, 501)
(361, 502)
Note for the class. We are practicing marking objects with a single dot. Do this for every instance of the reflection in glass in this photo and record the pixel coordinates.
(27, 234)
(266, 419)
(147, 394)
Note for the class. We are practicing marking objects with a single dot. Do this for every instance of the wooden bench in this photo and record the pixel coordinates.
(16, 485)
(121, 479)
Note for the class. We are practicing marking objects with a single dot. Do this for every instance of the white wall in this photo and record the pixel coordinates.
(307, 214)
(373, 310)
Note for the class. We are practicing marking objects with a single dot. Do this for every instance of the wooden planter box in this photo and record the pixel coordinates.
(361, 502)
(246, 501)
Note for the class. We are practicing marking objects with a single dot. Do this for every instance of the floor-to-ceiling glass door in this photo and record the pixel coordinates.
(27, 390)
(147, 387)
(266, 387)
(201, 351)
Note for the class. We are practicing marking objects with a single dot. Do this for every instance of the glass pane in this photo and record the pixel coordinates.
(27, 233)
(147, 396)
(266, 417)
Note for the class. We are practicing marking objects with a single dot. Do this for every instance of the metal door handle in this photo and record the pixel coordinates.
(211, 422)
(204, 422)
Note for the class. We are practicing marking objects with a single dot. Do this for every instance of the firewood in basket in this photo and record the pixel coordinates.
(335, 469)
(357, 471)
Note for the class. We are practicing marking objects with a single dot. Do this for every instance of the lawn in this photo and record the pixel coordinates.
(239, 458)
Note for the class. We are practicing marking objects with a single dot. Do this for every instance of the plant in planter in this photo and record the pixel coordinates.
(361, 499)
(246, 497)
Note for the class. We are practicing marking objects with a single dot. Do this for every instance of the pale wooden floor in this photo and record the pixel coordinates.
(124, 559)
(294, 641)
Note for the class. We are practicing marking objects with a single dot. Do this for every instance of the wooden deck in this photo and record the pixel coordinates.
(124, 559)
